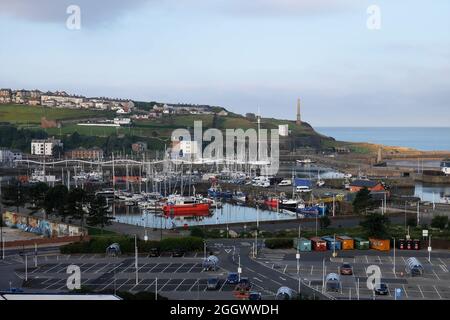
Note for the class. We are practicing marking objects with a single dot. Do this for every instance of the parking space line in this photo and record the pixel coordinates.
(367, 259)
(162, 271)
(437, 291)
(148, 287)
(90, 267)
(57, 265)
(192, 268)
(436, 274)
(379, 259)
(182, 280)
(104, 267)
(420, 291)
(284, 271)
(179, 268)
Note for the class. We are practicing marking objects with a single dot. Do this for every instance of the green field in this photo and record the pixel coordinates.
(31, 115)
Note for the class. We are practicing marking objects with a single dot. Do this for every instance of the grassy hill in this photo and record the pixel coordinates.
(31, 115)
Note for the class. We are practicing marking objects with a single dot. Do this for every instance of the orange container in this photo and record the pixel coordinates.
(347, 242)
(379, 244)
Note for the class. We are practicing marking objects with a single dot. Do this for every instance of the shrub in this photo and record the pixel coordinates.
(197, 232)
(439, 222)
(186, 244)
(279, 243)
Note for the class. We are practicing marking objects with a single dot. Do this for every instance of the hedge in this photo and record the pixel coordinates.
(279, 243)
(99, 245)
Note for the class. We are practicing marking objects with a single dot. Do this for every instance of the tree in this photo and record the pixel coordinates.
(75, 207)
(363, 201)
(376, 225)
(98, 213)
(36, 197)
(324, 222)
(411, 222)
(14, 195)
(439, 222)
(55, 200)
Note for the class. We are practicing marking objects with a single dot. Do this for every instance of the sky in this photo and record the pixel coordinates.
(242, 55)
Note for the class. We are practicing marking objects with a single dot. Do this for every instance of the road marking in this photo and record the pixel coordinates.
(57, 265)
(152, 283)
(284, 271)
(379, 259)
(312, 268)
(162, 271)
(420, 291)
(265, 277)
(437, 291)
(367, 259)
(284, 279)
(91, 267)
(104, 267)
(404, 289)
(436, 274)
(257, 279)
(443, 267)
(278, 283)
(251, 270)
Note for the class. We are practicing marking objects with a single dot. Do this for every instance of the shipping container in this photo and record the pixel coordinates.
(302, 244)
(347, 242)
(332, 244)
(362, 244)
(318, 244)
(380, 244)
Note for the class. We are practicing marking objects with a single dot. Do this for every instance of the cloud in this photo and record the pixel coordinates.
(103, 11)
(92, 12)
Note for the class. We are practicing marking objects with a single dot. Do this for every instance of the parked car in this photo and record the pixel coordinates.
(153, 252)
(177, 253)
(254, 296)
(213, 283)
(302, 189)
(233, 278)
(346, 269)
(285, 182)
(245, 284)
(381, 290)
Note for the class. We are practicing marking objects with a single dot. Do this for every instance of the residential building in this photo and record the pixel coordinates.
(44, 147)
(7, 157)
(283, 130)
(82, 153)
(372, 186)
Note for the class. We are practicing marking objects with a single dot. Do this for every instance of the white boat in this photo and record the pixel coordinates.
(445, 166)
(305, 161)
(40, 176)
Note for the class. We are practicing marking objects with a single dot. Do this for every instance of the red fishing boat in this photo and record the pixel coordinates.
(272, 202)
(185, 206)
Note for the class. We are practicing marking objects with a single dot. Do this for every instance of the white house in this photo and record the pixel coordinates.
(283, 130)
(44, 147)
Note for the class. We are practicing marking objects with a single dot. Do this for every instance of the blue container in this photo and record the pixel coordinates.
(331, 244)
(302, 244)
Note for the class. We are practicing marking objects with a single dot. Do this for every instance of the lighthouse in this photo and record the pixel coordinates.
(299, 118)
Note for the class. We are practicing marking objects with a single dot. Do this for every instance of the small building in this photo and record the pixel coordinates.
(44, 147)
(222, 113)
(372, 186)
(283, 130)
(82, 153)
(7, 156)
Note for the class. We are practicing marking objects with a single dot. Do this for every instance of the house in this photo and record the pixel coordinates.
(372, 186)
(222, 113)
(82, 153)
(44, 147)
(7, 157)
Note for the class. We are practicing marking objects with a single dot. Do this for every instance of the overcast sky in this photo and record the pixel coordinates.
(241, 55)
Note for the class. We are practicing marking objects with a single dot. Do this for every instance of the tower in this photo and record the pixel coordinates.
(299, 118)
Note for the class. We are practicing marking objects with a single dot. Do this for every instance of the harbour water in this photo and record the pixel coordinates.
(420, 138)
(229, 213)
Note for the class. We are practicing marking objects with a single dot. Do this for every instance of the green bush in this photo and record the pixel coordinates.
(439, 222)
(186, 244)
(279, 243)
(197, 232)
(99, 245)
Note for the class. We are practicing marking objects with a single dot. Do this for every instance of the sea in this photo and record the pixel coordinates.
(420, 138)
